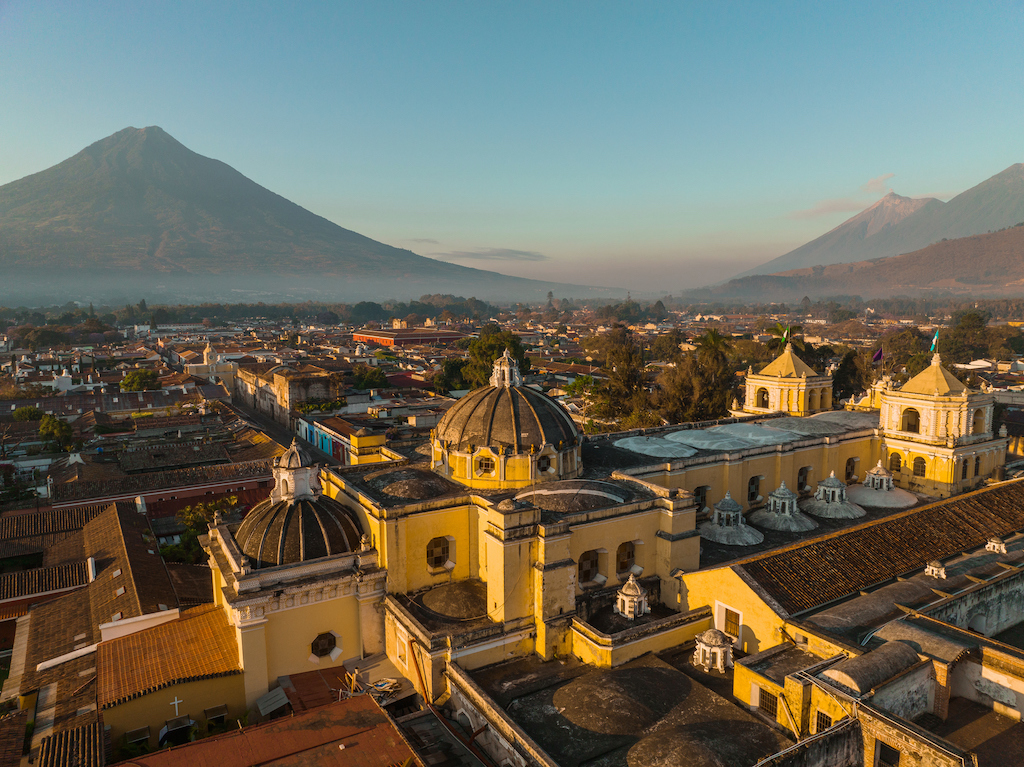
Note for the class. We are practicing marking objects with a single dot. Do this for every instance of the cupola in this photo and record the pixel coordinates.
(506, 435)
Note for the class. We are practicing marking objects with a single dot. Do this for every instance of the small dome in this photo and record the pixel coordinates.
(879, 471)
(832, 481)
(574, 495)
(294, 458)
(782, 492)
(298, 530)
(631, 588)
(715, 638)
(728, 504)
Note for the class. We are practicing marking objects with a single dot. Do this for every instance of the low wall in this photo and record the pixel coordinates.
(838, 746)
(611, 650)
(504, 739)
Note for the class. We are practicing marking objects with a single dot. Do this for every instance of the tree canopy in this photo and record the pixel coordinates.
(140, 380)
(484, 350)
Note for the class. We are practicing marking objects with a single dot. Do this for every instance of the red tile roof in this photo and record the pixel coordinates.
(350, 733)
(830, 567)
(198, 645)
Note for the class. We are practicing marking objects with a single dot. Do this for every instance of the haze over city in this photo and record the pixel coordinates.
(652, 148)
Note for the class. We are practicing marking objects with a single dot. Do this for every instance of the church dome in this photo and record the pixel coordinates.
(507, 414)
(506, 435)
(296, 530)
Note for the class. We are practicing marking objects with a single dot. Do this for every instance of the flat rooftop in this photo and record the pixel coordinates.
(997, 740)
(645, 712)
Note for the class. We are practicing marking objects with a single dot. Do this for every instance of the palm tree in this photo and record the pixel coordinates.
(781, 334)
(712, 348)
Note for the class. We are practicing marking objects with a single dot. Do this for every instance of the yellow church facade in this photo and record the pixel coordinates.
(502, 542)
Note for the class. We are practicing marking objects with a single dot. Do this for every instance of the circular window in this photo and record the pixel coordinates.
(544, 463)
(324, 645)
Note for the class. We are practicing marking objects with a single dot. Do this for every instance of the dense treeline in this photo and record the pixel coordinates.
(840, 308)
(70, 315)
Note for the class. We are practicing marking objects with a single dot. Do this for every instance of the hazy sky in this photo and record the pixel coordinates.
(643, 145)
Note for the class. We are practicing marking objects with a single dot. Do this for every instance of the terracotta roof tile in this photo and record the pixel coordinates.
(46, 522)
(12, 738)
(75, 747)
(370, 738)
(830, 567)
(198, 645)
(158, 480)
(42, 580)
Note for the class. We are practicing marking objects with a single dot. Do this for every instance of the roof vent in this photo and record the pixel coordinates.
(935, 569)
(995, 545)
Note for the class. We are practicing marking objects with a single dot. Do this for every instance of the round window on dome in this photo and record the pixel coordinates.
(485, 465)
(324, 645)
(544, 463)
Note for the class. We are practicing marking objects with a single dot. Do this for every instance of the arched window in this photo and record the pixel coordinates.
(911, 421)
(964, 469)
(700, 496)
(588, 566)
(813, 400)
(895, 463)
(753, 489)
(284, 487)
(851, 469)
(919, 467)
(977, 465)
(762, 398)
(625, 558)
(802, 478)
(978, 425)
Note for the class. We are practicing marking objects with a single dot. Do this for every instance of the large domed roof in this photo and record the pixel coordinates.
(297, 530)
(507, 415)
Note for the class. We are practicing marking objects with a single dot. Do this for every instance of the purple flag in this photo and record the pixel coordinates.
(878, 355)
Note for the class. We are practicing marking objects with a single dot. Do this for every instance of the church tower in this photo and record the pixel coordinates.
(937, 434)
(788, 385)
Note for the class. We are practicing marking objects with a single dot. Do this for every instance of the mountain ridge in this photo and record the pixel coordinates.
(982, 265)
(995, 203)
(138, 206)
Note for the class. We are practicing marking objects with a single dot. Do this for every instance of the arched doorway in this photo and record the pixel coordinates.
(762, 398)
(978, 424)
(911, 421)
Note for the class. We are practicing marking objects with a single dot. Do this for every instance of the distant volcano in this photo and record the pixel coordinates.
(896, 225)
(138, 213)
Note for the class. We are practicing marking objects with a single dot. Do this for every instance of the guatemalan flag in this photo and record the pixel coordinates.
(935, 342)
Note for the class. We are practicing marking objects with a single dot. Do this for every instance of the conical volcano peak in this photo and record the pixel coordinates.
(139, 210)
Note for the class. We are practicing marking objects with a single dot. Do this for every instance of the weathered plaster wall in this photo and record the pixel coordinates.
(988, 609)
(840, 746)
(908, 695)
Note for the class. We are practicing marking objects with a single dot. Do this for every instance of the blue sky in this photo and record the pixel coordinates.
(654, 146)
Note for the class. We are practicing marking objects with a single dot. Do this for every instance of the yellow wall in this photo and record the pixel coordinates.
(720, 588)
(289, 634)
(407, 547)
(609, 534)
(154, 709)
(775, 467)
(596, 650)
